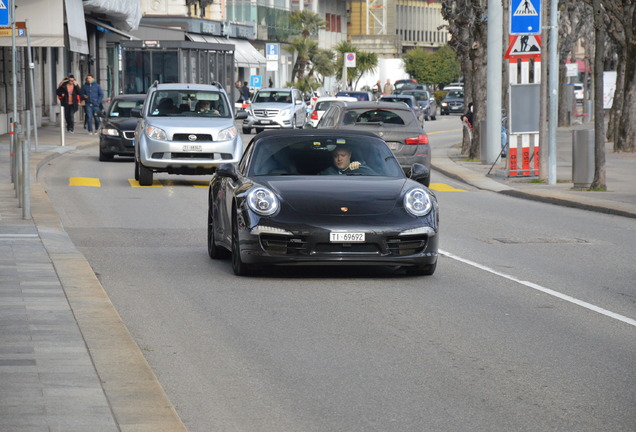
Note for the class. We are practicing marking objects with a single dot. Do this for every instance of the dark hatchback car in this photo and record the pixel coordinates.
(118, 127)
(407, 99)
(453, 102)
(283, 204)
(392, 121)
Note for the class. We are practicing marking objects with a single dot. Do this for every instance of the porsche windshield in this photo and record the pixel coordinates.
(316, 155)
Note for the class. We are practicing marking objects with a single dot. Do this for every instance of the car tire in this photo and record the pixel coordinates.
(427, 118)
(293, 123)
(103, 157)
(422, 270)
(145, 175)
(136, 170)
(258, 130)
(214, 251)
(433, 117)
(247, 130)
(238, 266)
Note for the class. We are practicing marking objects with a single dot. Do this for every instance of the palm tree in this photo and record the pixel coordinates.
(304, 46)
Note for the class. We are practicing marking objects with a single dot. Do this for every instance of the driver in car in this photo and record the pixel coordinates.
(342, 164)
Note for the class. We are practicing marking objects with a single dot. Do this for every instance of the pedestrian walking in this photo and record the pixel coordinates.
(68, 92)
(388, 87)
(92, 95)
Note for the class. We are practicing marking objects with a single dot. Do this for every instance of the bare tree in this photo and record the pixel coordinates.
(599, 121)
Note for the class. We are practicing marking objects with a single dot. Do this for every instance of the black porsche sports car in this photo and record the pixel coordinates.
(330, 197)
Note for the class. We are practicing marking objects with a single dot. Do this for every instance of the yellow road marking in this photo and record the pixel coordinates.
(442, 187)
(135, 183)
(84, 181)
(446, 131)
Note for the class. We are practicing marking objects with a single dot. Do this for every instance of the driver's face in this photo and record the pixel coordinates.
(341, 159)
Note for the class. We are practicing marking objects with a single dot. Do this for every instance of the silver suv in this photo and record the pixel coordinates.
(184, 129)
(274, 109)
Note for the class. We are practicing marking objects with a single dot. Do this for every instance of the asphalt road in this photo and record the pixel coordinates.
(519, 329)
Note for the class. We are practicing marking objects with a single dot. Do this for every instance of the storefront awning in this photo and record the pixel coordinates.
(78, 41)
(110, 28)
(245, 55)
(44, 21)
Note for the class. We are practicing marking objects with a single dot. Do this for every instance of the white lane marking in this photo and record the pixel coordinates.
(545, 290)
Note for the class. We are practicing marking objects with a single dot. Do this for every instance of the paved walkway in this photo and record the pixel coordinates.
(68, 363)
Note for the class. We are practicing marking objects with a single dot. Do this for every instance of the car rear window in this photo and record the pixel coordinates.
(322, 106)
(407, 101)
(375, 116)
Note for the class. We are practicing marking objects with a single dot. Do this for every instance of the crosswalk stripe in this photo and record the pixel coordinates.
(135, 183)
(442, 187)
(84, 181)
(95, 182)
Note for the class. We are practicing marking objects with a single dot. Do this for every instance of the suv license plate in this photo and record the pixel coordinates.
(192, 148)
(346, 237)
(265, 121)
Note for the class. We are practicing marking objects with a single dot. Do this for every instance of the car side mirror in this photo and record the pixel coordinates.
(227, 170)
(421, 174)
(241, 114)
(135, 112)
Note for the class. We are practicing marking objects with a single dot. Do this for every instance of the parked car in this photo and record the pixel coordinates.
(321, 105)
(453, 102)
(408, 100)
(392, 121)
(360, 95)
(407, 84)
(579, 93)
(178, 135)
(425, 100)
(275, 108)
(279, 206)
(117, 131)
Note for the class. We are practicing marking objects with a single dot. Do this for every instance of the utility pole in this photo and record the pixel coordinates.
(553, 91)
(493, 85)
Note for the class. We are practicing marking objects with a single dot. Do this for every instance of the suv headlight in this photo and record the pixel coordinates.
(227, 134)
(418, 202)
(262, 201)
(156, 133)
(285, 112)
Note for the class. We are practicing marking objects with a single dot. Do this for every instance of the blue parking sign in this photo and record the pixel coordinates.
(525, 17)
(4, 13)
(256, 81)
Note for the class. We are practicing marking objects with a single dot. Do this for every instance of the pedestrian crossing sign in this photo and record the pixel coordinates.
(525, 17)
(4, 13)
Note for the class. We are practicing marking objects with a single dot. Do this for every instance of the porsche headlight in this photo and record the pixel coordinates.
(227, 134)
(156, 133)
(417, 202)
(262, 201)
(111, 132)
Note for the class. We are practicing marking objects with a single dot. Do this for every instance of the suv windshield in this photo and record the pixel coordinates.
(188, 103)
(273, 96)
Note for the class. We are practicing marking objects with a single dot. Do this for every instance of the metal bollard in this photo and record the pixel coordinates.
(582, 158)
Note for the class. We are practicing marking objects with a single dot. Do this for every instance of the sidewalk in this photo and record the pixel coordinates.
(620, 172)
(67, 361)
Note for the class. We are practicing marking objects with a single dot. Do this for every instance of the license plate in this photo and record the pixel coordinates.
(346, 237)
(393, 145)
(192, 147)
(265, 121)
